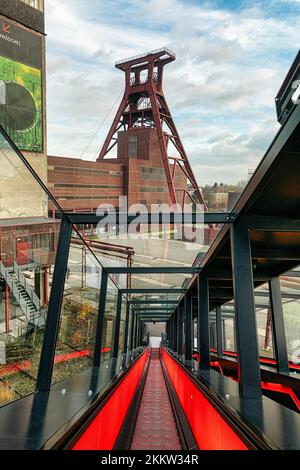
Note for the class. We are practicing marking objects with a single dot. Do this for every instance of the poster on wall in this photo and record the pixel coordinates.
(21, 86)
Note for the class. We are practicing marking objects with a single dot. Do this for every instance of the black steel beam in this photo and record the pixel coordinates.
(203, 341)
(179, 329)
(150, 309)
(115, 350)
(245, 313)
(272, 223)
(133, 319)
(174, 316)
(152, 270)
(119, 218)
(100, 319)
(278, 329)
(54, 308)
(219, 331)
(126, 329)
(188, 350)
(154, 301)
(153, 291)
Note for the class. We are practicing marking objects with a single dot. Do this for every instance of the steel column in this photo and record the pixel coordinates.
(203, 340)
(133, 319)
(115, 351)
(245, 313)
(100, 319)
(179, 330)
(135, 337)
(188, 327)
(219, 331)
(279, 337)
(126, 329)
(54, 308)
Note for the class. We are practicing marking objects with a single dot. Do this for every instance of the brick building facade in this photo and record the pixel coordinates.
(137, 172)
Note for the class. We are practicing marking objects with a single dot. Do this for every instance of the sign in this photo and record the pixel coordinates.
(21, 85)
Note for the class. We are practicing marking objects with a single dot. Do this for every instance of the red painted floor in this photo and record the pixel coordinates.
(155, 427)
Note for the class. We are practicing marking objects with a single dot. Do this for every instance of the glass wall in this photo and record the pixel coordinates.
(78, 319)
(28, 241)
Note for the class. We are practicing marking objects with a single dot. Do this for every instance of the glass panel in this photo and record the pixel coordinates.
(229, 335)
(290, 290)
(78, 319)
(264, 332)
(28, 241)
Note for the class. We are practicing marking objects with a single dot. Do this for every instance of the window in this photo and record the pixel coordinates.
(132, 145)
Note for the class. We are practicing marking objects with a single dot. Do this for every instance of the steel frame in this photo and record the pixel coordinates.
(131, 115)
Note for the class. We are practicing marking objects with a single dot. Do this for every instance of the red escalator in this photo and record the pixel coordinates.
(157, 404)
(155, 426)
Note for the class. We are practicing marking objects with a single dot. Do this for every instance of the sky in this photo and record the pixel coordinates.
(231, 58)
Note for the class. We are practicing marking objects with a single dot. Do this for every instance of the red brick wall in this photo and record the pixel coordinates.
(84, 184)
(141, 177)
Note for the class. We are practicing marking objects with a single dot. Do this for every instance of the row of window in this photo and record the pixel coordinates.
(153, 189)
(72, 185)
(86, 170)
(86, 197)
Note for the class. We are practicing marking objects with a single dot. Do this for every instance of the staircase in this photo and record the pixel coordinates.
(24, 294)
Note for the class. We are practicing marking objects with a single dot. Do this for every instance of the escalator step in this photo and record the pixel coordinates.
(155, 427)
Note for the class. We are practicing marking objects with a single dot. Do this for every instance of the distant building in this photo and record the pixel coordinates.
(218, 201)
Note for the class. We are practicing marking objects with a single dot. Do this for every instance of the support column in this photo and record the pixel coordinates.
(100, 319)
(175, 314)
(115, 351)
(135, 332)
(245, 313)
(219, 331)
(179, 330)
(54, 309)
(132, 330)
(188, 326)
(279, 337)
(46, 285)
(126, 329)
(203, 339)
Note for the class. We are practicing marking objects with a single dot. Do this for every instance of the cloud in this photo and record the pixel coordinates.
(221, 88)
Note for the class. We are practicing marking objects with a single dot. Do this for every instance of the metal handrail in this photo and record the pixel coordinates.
(28, 288)
(9, 281)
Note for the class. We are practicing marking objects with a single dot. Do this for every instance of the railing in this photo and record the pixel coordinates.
(142, 56)
(28, 288)
(15, 291)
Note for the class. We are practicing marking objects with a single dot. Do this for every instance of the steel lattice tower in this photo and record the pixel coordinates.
(144, 105)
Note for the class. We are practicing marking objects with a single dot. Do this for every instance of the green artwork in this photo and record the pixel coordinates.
(21, 104)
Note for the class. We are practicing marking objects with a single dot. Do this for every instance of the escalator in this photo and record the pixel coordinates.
(158, 404)
(155, 427)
